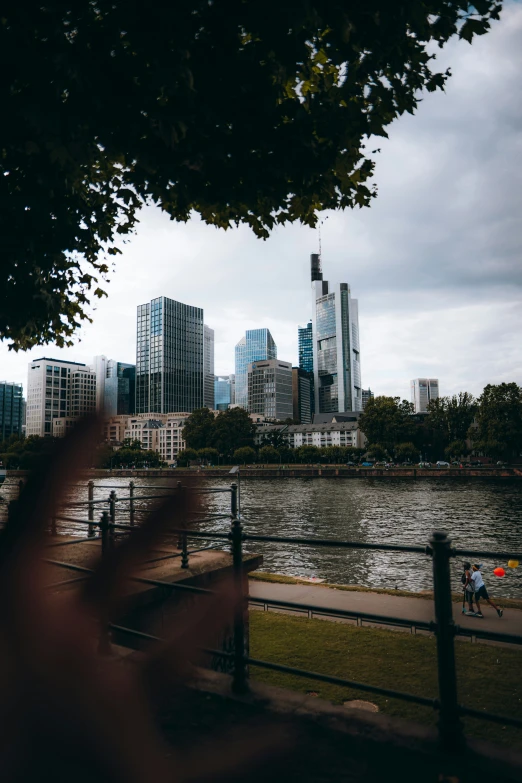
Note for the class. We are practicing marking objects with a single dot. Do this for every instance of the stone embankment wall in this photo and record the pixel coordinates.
(303, 471)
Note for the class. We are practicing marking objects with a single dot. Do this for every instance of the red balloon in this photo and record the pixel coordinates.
(499, 571)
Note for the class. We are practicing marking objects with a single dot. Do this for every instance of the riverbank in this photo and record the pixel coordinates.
(426, 595)
(488, 677)
(302, 471)
(406, 606)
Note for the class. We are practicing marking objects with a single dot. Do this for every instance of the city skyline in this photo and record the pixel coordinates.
(434, 262)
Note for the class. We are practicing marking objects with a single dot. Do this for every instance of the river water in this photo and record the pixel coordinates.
(476, 513)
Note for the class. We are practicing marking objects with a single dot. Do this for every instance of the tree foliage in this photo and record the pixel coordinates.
(198, 429)
(233, 429)
(452, 416)
(239, 115)
(387, 421)
(245, 454)
(406, 452)
(499, 421)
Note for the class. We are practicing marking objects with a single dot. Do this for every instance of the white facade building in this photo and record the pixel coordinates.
(58, 390)
(161, 432)
(320, 435)
(423, 391)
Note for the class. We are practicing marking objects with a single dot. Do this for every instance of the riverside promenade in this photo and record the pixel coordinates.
(410, 608)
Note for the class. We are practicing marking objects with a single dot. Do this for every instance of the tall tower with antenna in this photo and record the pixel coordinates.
(336, 351)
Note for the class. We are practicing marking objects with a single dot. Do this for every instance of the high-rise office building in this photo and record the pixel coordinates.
(270, 388)
(306, 359)
(11, 409)
(256, 345)
(301, 396)
(223, 392)
(99, 366)
(58, 390)
(367, 394)
(115, 387)
(335, 327)
(232, 379)
(423, 391)
(169, 357)
(120, 389)
(208, 367)
(306, 347)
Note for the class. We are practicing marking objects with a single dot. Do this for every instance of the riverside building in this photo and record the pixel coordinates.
(336, 351)
(169, 357)
(344, 433)
(208, 367)
(256, 345)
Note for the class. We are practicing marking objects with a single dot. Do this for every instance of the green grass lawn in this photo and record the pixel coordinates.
(488, 677)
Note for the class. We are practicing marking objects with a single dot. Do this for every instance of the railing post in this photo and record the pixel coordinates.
(239, 680)
(184, 551)
(104, 644)
(180, 536)
(112, 516)
(90, 511)
(450, 726)
(131, 503)
(104, 533)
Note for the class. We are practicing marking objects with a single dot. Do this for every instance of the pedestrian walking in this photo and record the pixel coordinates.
(469, 588)
(481, 592)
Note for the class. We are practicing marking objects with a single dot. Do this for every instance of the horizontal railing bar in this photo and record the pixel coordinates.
(66, 582)
(329, 542)
(71, 543)
(134, 632)
(486, 553)
(70, 566)
(491, 716)
(411, 697)
(380, 618)
(493, 636)
(140, 579)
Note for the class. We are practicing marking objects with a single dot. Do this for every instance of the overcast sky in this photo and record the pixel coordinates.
(435, 262)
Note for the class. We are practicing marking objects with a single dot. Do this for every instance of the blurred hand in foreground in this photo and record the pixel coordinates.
(68, 712)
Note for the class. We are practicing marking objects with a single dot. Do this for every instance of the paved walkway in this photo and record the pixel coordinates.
(383, 604)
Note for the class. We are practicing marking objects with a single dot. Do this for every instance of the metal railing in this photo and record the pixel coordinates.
(444, 628)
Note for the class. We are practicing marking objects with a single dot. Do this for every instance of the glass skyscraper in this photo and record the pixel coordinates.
(335, 326)
(169, 357)
(306, 347)
(223, 392)
(208, 363)
(119, 393)
(256, 345)
(11, 409)
(306, 363)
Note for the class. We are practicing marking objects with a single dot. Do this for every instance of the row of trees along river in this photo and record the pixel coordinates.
(454, 427)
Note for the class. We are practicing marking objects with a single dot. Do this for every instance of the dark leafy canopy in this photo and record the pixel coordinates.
(452, 416)
(198, 429)
(387, 421)
(223, 434)
(239, 112)
(499, 420)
